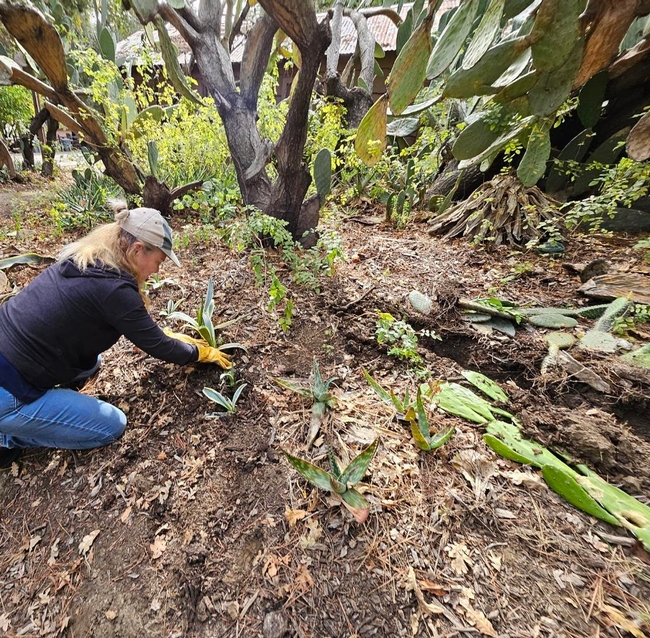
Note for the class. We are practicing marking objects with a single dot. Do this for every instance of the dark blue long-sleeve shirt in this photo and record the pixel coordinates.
(56, 327)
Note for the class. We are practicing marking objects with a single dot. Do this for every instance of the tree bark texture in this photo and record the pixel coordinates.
(49, 150)
(237, 107)
(7, 160)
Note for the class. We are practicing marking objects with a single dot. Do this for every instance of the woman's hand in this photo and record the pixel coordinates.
(207, 354)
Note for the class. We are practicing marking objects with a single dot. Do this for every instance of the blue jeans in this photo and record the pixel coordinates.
(61, 418)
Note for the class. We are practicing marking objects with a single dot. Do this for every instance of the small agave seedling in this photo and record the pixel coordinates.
(318, 392)
(203, 323)
(340, 482)
(229, 405)
(389, 397)
(419, 422)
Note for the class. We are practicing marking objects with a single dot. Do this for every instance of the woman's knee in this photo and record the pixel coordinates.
(116, 425)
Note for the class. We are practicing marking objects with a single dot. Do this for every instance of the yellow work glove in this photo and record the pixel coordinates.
(184, 338)
(207, 354)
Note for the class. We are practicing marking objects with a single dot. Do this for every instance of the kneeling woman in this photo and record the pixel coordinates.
(53, 332)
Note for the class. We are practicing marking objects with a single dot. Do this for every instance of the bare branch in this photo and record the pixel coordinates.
(256, 55)
(40, 38)
(210, 15)
(297, 19)
(236, 30)
(18, 76)
(366, 46)
(180, 22)
(179, 191)
(334, 49)
(381, 11)
(294, 133)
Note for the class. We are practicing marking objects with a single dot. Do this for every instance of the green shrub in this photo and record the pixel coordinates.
(84, 203)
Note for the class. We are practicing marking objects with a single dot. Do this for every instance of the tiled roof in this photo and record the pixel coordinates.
(382, 27)
(130, 49)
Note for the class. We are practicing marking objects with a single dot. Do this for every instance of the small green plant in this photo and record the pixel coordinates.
(318, 390)
(229, 377)
(389, 397)
(85, 202)
(640, 314)
(518, 271)
(172, 307)
(278, 300)
(155, 282)
(340, 482)
(228, 404)
(400, 337)
(203, 324)
(419, 422)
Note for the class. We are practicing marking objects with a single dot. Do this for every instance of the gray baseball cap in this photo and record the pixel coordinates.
(148, 225)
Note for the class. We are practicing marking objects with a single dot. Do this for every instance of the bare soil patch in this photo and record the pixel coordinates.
(195, 526)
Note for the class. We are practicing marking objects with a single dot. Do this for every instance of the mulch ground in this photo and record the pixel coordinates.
(193, 525)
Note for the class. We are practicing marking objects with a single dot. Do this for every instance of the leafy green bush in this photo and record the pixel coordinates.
(620, 185)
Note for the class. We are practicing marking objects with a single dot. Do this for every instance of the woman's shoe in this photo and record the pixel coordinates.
(9, 455)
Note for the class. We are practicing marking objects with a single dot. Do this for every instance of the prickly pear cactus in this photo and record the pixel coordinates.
(485, 33)
(409, 70)
(616, 309)
(452, 38)
(533, 164)
(371, 134)
(323, 173)
(478, 79)
(422, 303)
(552, 321)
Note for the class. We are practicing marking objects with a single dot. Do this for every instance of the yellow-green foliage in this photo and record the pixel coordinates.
(325, 126)
(100, 78)
(191, 144)
(272, 114)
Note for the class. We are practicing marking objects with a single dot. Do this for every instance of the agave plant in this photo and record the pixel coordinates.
(420, 429)
(338, 481)
(228, 404)
(318, 391)
(388, 396)
(203, 324)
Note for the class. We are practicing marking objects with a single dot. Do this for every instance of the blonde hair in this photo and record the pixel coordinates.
(109, 244)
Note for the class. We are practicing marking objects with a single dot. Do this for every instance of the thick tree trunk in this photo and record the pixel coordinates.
(158, 195)
(27, 149)
(293, 174)
(49, 150)
(356, 100)
(7, 160)
(27, 138)
(284, 198)
(449, 176)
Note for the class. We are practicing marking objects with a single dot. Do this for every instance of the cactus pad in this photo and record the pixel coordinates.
(553, 321)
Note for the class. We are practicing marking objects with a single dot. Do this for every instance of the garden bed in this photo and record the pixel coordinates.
(195, 526)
